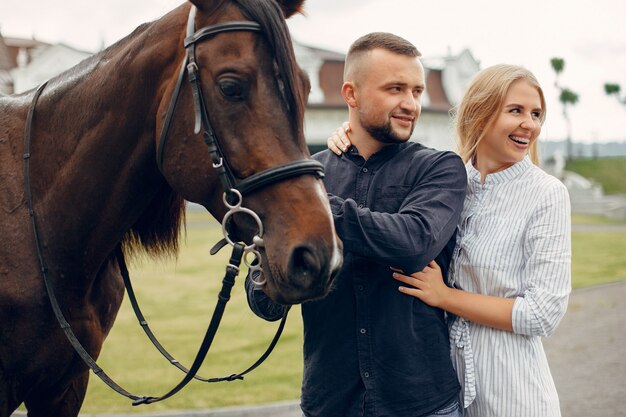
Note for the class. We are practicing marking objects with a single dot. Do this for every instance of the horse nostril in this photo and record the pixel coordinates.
(305, 268)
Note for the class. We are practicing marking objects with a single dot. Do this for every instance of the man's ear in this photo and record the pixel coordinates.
(348, 91)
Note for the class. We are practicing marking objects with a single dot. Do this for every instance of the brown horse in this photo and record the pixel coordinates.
(97, 184)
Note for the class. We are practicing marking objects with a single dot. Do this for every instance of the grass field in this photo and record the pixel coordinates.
(593, 219)
(178, 298)
(610, 172)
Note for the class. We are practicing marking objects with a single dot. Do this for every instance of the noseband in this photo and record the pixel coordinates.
(233, 195)
(233, 190)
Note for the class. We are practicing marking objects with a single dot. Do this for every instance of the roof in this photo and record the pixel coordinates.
(323, 54)
(7, 61)
(438, 100)
(24, 42)
(445, 77)
(10, 47)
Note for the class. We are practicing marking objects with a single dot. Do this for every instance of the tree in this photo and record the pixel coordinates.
(567, 98)
(558, 65)
(614, 90)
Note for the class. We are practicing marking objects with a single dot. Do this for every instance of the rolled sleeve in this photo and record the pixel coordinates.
(548, 270)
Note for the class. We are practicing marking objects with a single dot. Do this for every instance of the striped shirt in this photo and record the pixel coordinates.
(513, 241)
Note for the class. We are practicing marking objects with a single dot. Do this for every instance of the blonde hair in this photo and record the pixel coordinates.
(482, 102)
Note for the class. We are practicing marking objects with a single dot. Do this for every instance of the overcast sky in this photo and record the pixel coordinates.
(589, 35)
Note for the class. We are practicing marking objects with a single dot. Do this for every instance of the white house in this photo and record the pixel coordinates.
(446, 79)
(44, 64)
(25, 63)
(16, 52)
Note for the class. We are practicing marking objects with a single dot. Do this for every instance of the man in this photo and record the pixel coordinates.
(370, 350)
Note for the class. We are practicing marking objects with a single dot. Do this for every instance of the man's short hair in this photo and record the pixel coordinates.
(379, 40)
(383, 40)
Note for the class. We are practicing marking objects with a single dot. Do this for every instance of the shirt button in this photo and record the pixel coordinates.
(364, 169)
(361, 206)
(366, 374)
(363, 331)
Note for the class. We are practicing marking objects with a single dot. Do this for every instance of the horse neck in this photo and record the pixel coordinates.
(95, 159)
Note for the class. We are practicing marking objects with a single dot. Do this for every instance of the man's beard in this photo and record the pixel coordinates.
(384, 133)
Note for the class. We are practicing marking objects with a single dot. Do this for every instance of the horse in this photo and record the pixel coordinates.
(101, 160)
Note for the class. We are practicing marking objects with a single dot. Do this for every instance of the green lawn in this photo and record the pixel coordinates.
(177, 299)
(598, 258)
(609, 172)
(593, 219)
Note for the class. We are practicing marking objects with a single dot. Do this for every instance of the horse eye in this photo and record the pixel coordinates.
(232, 89)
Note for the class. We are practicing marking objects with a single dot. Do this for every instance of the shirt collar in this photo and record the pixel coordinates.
(505, 175)
(384, 153)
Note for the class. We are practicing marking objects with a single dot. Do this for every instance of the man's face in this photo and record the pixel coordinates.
(388, 93)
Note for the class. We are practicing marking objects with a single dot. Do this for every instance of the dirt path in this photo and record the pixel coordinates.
(587, 354)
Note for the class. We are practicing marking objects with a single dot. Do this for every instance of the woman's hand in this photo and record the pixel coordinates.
(339, 141)
(427, 285)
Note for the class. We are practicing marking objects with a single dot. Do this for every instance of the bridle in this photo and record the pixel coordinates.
(233, 192)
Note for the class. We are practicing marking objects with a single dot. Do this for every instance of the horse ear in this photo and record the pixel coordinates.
(200, 4)
(197, 3)
(291, 7)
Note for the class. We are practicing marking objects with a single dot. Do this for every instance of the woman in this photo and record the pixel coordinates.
(510, 274)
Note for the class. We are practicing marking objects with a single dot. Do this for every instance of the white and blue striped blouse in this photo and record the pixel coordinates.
(513, 241)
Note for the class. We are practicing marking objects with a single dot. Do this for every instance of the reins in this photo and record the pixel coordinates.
(232, 270)
(144, 325)
(233, 197)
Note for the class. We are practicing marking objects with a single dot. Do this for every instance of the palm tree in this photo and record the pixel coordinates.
(567, 98)
(614, 90)
(558, 65)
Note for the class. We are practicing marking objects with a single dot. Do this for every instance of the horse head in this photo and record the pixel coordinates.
(234, 135)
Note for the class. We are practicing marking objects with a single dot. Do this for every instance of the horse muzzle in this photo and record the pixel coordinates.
(309, 273)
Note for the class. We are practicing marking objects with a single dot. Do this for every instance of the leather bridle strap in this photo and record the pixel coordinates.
(229, 185)
(169, 115)
(288, 170)
(146, 328)
(232, 270)
(78, 347)
(222, 27)
(220, 164)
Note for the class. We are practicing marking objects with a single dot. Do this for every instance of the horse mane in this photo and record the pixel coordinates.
(157, 231)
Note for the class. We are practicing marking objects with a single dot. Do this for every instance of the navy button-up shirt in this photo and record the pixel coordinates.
(370, 350)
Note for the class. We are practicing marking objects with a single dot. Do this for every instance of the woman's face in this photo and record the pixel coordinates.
(517, 126)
